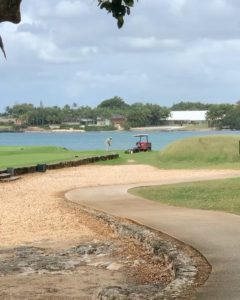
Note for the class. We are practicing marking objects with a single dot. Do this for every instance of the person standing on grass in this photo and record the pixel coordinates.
(108, 143)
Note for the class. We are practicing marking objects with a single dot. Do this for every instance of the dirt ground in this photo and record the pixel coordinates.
(34, 214)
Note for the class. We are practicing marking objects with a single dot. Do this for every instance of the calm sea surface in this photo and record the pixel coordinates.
(95, 140)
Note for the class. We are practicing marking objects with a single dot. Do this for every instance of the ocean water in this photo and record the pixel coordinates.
(121, 140)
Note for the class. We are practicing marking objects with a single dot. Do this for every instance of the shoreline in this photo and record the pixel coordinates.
(153, 128)
(172, 128)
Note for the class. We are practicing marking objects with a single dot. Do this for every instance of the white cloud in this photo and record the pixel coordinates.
(176, 6)
(221, 6)
(87, 81)
(107, 78)
(148, 42)
(169, 50)
(69, 9)
(52, 54)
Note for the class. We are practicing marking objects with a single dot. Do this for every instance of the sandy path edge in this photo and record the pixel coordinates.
(207, 231)
(31, 208)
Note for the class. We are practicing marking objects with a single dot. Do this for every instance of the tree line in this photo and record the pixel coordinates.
(135, 115)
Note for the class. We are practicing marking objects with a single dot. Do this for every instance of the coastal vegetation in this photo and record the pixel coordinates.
(114, 113)
(190, 106)
(106, 115)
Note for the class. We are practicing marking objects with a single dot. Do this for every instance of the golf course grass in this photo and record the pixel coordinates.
(213, 152)
(221, 195)
(198, 152)
(191, 153)
(27, 155)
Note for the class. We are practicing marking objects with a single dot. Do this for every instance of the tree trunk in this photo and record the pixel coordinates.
(10, 11)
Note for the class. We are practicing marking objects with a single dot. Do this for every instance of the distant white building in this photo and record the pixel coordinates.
(188, 116)
(103, 122)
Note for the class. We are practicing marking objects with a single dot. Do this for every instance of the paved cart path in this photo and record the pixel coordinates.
(215, 234)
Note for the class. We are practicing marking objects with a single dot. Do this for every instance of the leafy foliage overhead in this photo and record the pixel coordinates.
(118, 8)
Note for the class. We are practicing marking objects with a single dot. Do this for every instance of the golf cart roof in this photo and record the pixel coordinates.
(141, 135)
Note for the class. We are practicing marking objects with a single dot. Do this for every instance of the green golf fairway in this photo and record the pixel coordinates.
(222, 195)
(27, 155)
(206, 152)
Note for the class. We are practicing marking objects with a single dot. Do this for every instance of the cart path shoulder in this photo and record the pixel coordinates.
(214, 234)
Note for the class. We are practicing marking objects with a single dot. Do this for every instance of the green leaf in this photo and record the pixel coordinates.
(129, 3)
(120, 21)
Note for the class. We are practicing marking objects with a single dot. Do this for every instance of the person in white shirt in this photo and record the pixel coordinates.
(108, 143)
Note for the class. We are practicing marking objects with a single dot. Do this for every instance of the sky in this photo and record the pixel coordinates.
(70, 51)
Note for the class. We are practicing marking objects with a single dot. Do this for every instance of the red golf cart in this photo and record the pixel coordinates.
(141, 145)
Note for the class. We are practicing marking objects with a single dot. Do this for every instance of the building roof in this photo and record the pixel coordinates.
(188, 115)
(121, 117)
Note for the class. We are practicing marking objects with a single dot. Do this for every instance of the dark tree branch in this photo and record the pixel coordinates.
(9, 11)
(2, 47)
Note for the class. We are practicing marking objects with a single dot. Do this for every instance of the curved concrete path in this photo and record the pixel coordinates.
(215, 234)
